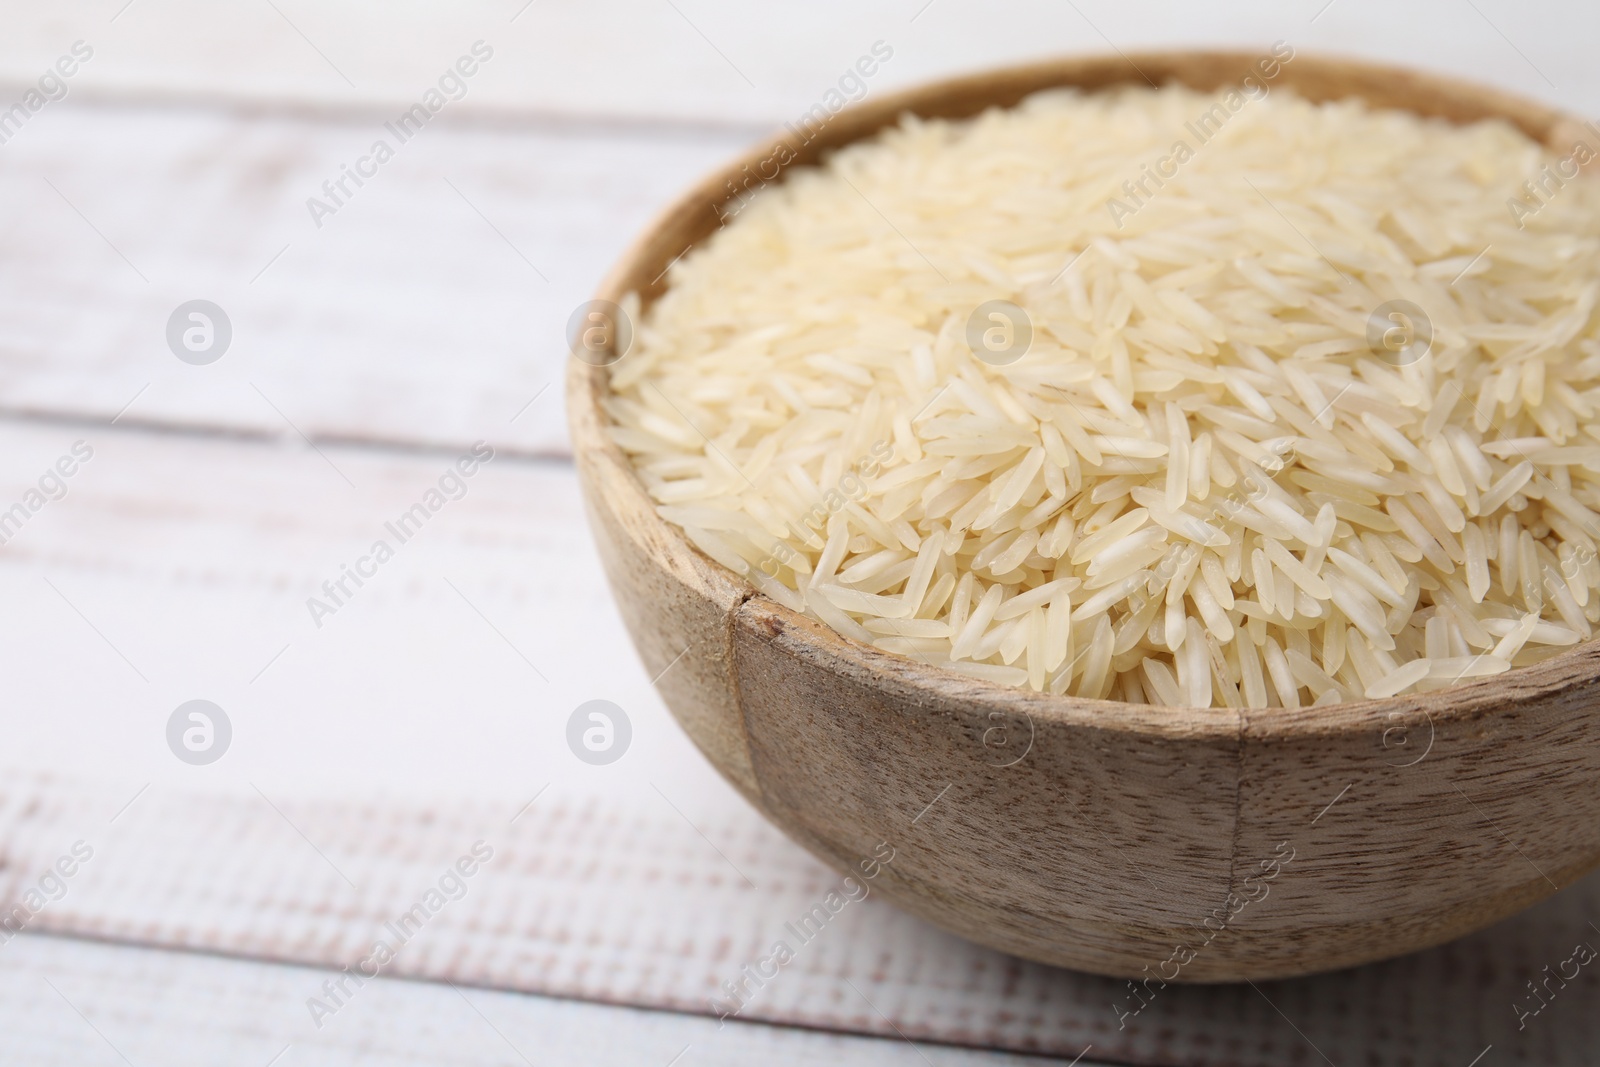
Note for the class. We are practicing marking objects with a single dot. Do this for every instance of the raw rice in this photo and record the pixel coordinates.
(1201, 485)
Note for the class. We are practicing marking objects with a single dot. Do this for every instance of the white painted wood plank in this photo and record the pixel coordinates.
(175, 570)
(722, 58)
(622, 902)
(70, 1003)
(431, 308)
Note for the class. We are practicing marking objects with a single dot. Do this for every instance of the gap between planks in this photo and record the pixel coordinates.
(526, 119)
(201, 432)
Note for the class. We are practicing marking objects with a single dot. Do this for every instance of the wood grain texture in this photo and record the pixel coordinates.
(1124, 831)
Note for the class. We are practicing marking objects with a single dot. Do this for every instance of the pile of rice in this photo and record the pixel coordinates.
(1202, 485)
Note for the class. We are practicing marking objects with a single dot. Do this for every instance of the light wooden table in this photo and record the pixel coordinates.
(366, 354)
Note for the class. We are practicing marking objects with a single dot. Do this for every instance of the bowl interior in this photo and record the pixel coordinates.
(698, 214)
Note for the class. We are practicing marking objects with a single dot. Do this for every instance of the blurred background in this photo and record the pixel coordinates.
(356, 337)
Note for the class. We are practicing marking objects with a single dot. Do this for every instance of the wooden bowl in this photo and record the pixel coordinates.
(1166, 844)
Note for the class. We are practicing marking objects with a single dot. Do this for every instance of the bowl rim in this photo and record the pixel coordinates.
(693, 215)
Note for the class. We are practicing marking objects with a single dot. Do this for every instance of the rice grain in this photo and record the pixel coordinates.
(1202, 483)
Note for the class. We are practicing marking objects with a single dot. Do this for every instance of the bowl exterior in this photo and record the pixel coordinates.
(1162, 845)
